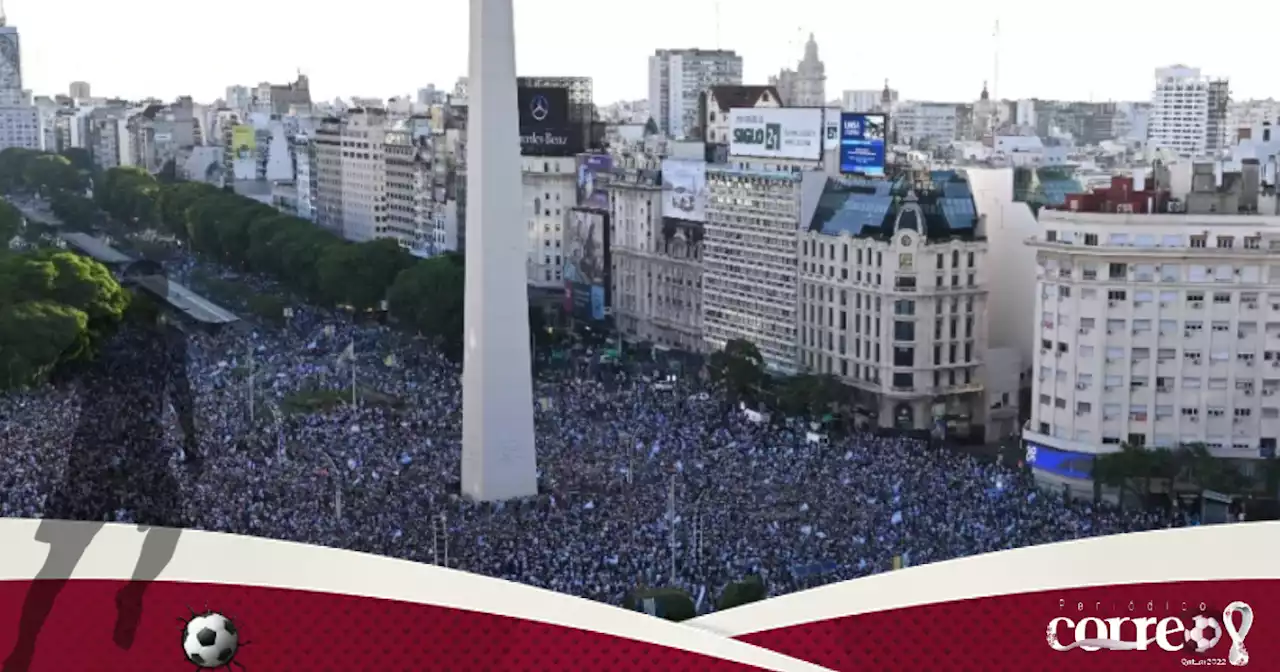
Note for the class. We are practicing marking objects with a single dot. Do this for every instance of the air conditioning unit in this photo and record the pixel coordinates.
(1195, 418)
(1111, 303)
(1081, 386)
(1268, 392)
(1110, 332)
(1084, 331)
(1248, 393)
(1241, 334)
(1163, 304)
(1197, 304)
(1251, 306)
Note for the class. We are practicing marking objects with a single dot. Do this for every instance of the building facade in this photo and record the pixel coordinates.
(364, 175)
(749, 279)
(1155, 330)
(20, 124)
(892, 300)
(676, 79)
(1179, 118)
(328, 174)
(925, 124)
(656, 261)
(550, 191)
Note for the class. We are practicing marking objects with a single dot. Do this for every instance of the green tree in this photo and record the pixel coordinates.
(359, 275)
(738, 369)
(750, 589)
(430, 297)
(36, 336)
(73, 210)
(13, 168)
(810, 395)
(51, 173)
(10, 223)
(66, 278)
(80, 159)
(671, 604)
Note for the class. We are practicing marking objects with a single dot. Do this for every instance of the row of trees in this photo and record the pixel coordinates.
(674, 604)
(424, 294)
(54, 306)
(1142, 473)
(739, 372)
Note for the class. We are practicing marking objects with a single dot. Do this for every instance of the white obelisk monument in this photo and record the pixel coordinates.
(498, 459)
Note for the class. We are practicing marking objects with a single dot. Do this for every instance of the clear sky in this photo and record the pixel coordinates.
(927, 49)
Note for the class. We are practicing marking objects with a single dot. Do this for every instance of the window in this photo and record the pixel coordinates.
(1118, 271)
(904, 330)
(1226, 242)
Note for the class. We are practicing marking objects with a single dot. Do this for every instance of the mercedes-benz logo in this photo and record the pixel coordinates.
(539, 107)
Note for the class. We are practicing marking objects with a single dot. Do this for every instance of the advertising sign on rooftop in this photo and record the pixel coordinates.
(791, 133)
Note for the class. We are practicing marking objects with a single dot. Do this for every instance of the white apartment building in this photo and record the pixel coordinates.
(893, 301)
(364, 175)
(1179, 117)
(923, 123)
(678, 76)
(20, 126)
(656, 262)
(749, 278)
(550, 191)
(19, 119)
(869, 100)
(1156, 330)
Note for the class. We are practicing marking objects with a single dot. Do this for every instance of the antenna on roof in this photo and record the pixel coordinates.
(717, 9)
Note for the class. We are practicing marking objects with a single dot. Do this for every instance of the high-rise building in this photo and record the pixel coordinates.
(19, 120)
(1154, 324)
(79, 91)
(364, 175)
(550, 189)
(676, 79)
(749, 292)
(1179, 119)
(1218, 137)
(806, 86)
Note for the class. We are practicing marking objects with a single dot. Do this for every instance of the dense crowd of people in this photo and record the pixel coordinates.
(632, 474)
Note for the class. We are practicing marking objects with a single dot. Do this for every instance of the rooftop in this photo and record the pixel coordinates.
(96, 248)
(188, 302)
(869, 208)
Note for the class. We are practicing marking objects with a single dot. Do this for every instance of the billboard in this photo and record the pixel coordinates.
(545, 129)
(862, 143)
(831, 128)
(684, 189)
(594, 172)
(586, 266)
(244, 141)
(792, 133)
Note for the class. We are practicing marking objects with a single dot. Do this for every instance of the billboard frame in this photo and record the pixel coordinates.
(879, 149)
(764, 130)
(696, 177)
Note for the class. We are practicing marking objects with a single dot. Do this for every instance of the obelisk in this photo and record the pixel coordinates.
(498, 458)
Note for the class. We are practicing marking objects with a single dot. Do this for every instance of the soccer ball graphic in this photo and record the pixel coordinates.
(210, 640)
(1204, 633)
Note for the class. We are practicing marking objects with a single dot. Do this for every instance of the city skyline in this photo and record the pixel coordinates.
(360, 53)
